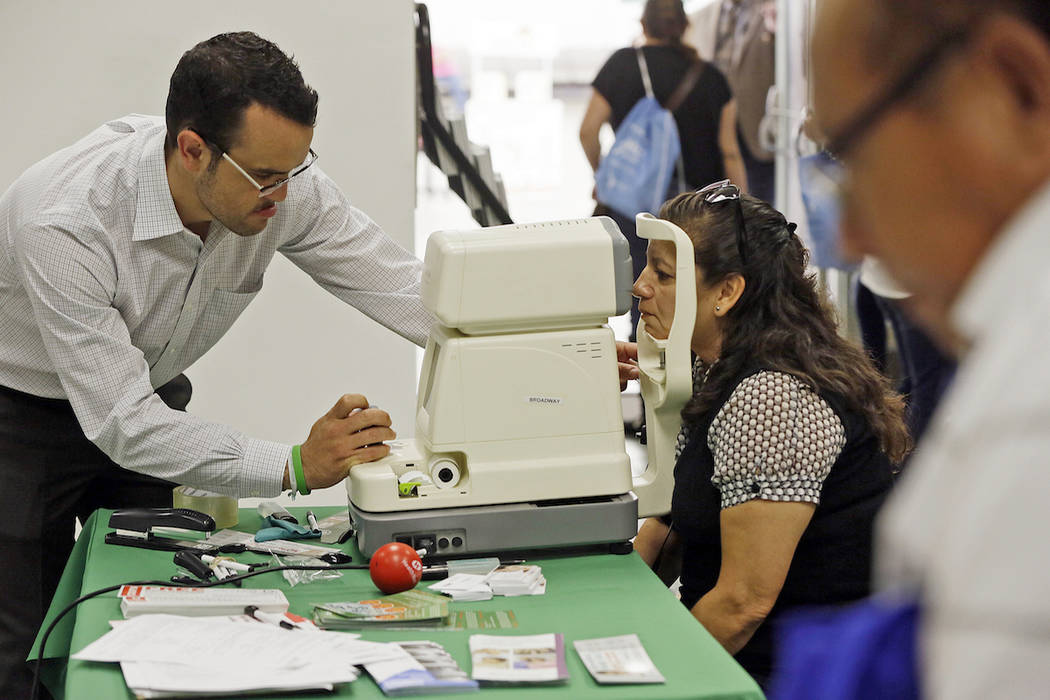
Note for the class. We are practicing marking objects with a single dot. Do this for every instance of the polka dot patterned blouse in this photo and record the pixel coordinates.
(774, 439)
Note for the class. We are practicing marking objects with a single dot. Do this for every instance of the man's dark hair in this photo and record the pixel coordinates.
(220, 77)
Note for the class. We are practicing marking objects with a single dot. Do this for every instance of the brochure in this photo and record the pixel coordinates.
(617, 660)
(410, 606)
(537, 658)
(423, 668)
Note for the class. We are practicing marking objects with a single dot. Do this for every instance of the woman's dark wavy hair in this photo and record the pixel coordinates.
(781, 321)
(216, 80)
(666, 20)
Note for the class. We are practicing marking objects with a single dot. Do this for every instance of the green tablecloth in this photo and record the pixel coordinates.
(589, 596)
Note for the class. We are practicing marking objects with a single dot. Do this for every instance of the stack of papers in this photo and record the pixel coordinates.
(140, 600)
(410, 606)
(164, 655)
(424, 668)
(538, 658)
(509, 580)
(617, 660)
(517, 579)
(464, 587)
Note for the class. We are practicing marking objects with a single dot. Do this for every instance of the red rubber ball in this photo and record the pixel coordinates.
(395, 567)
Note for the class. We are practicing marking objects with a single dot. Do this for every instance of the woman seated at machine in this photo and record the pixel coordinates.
(789, 442)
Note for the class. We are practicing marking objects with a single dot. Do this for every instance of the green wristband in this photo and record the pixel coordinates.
(297, 467)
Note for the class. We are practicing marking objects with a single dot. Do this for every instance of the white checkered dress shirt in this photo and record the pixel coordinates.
(104, 295)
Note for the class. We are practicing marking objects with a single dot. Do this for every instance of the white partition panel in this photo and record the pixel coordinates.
(71, 65)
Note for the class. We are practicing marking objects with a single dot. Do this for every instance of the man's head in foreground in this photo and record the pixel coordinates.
(940, 115)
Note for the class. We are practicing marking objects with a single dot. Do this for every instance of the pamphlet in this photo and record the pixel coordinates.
(410, 606)
(538, 658)
(617, 660)
(424, 668)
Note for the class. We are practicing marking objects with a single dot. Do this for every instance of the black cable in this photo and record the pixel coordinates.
(203, 584)
(658, 561)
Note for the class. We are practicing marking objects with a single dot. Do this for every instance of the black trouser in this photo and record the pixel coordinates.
(51, 474)
(926, 372)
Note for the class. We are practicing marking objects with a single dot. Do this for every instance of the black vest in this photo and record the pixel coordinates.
(832, 563)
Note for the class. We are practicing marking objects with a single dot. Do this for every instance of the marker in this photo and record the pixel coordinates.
(279, 620)
(312, 520)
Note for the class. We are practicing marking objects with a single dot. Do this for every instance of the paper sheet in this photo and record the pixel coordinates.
(180, 678)
(208, 642)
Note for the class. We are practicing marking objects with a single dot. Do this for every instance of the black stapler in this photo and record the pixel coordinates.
(134, 527)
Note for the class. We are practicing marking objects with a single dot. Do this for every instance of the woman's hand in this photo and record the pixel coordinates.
(627, 362)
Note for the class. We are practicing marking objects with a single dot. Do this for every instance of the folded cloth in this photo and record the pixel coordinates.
(864, 651)
(277, 529)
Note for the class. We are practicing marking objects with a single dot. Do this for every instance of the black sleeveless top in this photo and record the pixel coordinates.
(832, 562)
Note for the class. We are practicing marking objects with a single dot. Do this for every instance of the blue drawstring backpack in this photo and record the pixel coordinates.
(868, 650)
(635, 175)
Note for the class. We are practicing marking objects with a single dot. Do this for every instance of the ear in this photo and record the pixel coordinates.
(729, 293)
(1020, 57)
(191, 152)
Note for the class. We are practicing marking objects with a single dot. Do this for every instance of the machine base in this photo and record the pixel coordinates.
(456, 532)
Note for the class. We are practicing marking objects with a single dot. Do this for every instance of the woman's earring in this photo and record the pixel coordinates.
(718, 308)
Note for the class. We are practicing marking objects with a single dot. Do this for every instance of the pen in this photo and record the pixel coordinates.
(312, 520)
(254, 612)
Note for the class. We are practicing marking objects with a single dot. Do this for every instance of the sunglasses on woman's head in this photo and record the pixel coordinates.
(726, 191)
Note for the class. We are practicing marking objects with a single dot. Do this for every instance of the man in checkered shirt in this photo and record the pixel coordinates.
(123, 259)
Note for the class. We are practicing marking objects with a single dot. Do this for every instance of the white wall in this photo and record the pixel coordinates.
(71, 65)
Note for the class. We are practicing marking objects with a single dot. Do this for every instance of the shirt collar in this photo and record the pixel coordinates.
(155, 214)
(1018, 256)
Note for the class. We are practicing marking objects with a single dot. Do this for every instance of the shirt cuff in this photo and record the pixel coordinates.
(803, 490)
(263, 472)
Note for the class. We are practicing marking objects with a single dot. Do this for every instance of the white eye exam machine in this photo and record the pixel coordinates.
(519, 430)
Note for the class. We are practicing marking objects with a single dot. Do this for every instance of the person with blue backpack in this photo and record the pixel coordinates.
(674, 118)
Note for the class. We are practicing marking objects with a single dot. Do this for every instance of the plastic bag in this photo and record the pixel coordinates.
(305, 576)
